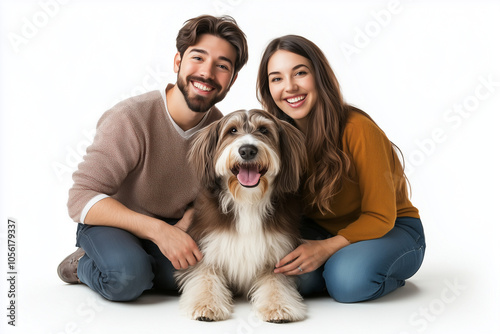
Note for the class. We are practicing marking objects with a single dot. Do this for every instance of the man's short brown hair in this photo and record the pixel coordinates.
(223, 27)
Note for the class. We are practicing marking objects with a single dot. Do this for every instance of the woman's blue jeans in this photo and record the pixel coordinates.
(369, 269)
(120, 266)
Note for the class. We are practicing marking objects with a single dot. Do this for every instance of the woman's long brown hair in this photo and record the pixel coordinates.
(328, 164)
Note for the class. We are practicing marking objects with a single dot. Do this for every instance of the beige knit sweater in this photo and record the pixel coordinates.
(138, 157)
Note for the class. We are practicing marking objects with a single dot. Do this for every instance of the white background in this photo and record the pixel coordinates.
(427, 71)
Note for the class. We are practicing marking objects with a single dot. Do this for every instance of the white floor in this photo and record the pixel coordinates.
(446, 296)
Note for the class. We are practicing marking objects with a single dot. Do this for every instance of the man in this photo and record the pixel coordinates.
(131, 194)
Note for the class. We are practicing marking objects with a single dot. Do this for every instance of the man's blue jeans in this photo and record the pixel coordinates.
(368, 269)
(120, 266)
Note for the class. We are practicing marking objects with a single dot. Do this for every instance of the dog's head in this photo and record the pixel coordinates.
(249, 152)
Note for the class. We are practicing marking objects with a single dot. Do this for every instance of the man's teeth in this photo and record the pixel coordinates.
(202, 87)
(296, 99)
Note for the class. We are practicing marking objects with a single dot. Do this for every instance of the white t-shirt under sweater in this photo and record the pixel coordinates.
(138, 157)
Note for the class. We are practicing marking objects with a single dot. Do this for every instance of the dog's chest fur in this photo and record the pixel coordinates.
(245, 251)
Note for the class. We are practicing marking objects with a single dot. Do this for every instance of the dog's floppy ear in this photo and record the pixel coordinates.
(293, 157)
(201, 154)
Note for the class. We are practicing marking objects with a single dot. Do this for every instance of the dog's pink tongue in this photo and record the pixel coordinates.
(249, 175)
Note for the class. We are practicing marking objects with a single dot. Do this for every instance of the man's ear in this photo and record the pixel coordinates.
(177, 62)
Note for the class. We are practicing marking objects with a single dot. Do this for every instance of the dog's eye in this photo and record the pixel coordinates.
(262, 130)
(233, 130)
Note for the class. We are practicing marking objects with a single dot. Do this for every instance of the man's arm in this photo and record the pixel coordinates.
(173, 242)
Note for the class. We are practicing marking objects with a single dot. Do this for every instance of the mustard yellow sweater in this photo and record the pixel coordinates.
(367, 205)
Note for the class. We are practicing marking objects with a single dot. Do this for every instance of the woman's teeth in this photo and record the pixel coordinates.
(296, 99)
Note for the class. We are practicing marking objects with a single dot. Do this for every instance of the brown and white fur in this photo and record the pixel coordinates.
(245, 224)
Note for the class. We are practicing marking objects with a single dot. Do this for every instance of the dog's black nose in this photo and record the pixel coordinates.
(248, 152)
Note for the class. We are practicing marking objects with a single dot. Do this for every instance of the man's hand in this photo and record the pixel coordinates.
(177, 246)
(186, 220)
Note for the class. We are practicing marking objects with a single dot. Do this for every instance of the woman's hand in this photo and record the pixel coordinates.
(310, 255)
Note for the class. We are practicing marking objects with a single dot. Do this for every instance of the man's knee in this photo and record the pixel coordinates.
(126, 285)
(126, 277)
(116, 264)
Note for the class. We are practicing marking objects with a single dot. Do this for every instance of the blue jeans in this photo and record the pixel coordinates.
(369, 269)
(120, 266)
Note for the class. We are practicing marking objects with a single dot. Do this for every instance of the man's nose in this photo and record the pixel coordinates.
(207, 70)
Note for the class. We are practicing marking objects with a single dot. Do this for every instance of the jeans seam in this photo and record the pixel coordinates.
(404, 254)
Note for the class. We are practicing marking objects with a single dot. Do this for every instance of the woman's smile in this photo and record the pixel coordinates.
(296, 101)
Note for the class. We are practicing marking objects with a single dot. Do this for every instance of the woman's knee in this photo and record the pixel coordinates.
(350, 282)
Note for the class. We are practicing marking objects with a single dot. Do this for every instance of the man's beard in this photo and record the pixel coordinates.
(200, 103)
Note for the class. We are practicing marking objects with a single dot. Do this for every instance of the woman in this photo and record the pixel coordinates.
(364, 236)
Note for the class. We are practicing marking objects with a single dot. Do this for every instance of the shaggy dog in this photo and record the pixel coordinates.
(246, 217)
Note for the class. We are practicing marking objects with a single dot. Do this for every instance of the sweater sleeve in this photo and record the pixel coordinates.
(373, 161)
(109, 159)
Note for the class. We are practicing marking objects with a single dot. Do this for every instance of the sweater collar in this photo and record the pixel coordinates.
(188, 133)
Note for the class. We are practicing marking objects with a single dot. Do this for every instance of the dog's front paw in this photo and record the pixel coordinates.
(281, 314)
(210, 313)
(277, 316)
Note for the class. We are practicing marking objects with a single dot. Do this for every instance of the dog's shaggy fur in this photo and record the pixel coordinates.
(246, 217)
